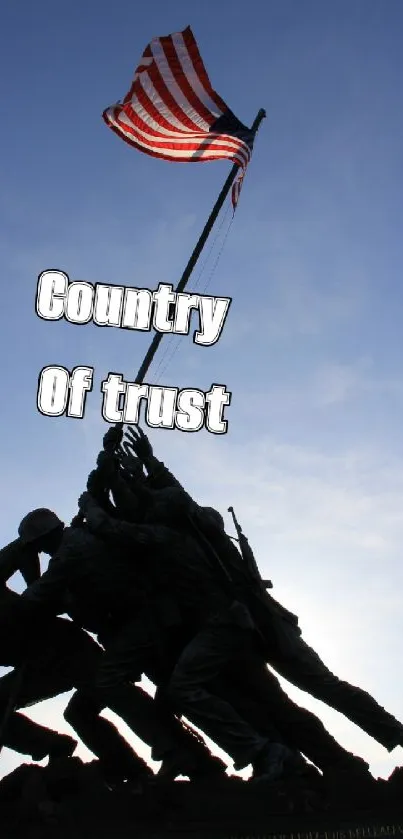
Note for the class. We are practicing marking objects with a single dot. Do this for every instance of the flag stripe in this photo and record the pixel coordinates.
(189, 72)
(169, 67)
(141, 128)
(141, 109)
(164, 107)
(183, 145)
(167, 102)
(220, 142)
(177, 156)
(183, 149)
(200, 69)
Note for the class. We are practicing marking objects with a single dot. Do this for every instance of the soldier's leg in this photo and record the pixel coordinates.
(189, 689)
(101, 737)
(22, 734)
(308, 672)
(71, 660)
(132, 651)
(27, 737)
(81, 661)
(123, 663)
(257, 694)
(24, 686)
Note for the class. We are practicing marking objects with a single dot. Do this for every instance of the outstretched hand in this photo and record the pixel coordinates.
(113, 438)
(137, 443)
(129, 462)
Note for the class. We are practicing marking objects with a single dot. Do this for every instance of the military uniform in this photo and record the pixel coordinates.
(284, 648)
(287, 652)
(101, 591)
(219, 624)
(51, 656)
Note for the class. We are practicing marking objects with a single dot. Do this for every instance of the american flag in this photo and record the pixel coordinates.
(171, 110)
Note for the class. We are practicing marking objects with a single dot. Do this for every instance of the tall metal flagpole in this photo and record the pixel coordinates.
(196, 253)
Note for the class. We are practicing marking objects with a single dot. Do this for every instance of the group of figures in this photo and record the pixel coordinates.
(145, 581)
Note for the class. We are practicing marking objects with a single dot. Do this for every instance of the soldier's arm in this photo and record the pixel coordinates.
(159, 477)
(113, 475)
(98, 482)
(126, 501)
(30, 567)
(18, 557)
(123, 532)
(49, 590)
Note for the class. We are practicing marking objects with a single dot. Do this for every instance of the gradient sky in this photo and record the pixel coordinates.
(312, 347)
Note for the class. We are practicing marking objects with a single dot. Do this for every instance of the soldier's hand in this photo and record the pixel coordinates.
(113, 438)
(137, 442)
(129, 463)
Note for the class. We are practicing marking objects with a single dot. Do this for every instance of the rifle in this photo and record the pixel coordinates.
(265, 610)
(248, 555)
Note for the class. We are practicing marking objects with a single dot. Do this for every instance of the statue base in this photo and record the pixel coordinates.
(71, 801)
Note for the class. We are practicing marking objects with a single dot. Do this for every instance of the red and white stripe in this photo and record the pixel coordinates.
(171, 105)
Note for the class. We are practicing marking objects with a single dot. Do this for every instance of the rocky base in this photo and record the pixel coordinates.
(71, 799)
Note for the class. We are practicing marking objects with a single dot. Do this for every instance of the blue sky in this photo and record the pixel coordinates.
(312, 346)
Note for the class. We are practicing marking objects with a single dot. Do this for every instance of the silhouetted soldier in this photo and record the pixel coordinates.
(287, 652)
(285, 649)
(18, 732)
(51, 656)
(81, 570)
(219, 627)
(265, 705)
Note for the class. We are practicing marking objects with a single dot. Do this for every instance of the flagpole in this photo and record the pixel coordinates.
(195, 255)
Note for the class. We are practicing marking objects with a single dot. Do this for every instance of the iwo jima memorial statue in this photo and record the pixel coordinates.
(168, 594)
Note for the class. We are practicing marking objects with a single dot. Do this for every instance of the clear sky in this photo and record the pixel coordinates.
(312, 347)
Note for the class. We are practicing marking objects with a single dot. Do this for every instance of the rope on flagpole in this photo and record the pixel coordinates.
(174, 341)
(214, 268)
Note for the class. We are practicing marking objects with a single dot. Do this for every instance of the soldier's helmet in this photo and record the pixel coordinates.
(214, 517)
(38, 523)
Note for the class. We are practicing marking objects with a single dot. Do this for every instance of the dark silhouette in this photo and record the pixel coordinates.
(154, 576)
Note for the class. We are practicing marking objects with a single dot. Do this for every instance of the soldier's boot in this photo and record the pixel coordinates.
(275, 761)
(352, 770)
(206, 765)
(195, 766)
(207, 768)
(191, 758)
(60, 747)
(118, 761)
(396, 739)
(134, 777)
(25, 736)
